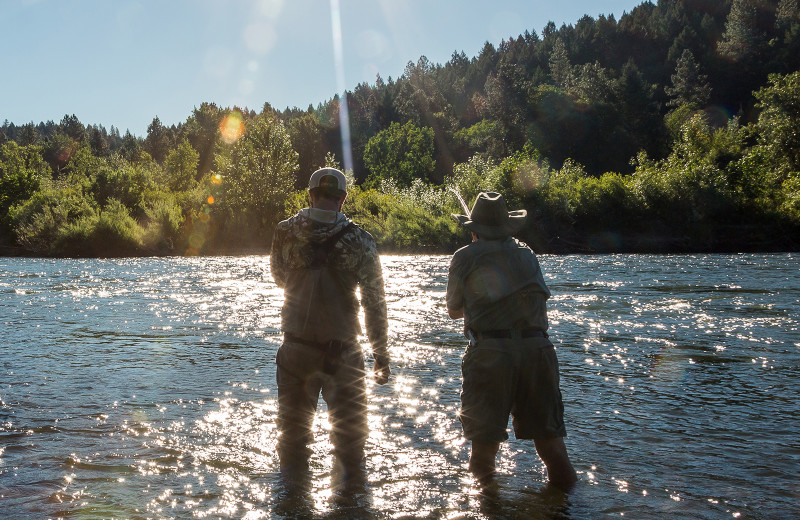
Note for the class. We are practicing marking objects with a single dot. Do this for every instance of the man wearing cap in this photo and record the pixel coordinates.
(319, 257)
(510, 366)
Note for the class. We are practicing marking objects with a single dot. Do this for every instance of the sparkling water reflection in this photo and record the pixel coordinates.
(145, 388)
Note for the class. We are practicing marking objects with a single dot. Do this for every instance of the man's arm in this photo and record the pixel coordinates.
(455, 292)
(373, 300)
(276, 264)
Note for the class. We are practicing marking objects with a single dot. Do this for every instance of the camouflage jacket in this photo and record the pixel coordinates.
(320, 300)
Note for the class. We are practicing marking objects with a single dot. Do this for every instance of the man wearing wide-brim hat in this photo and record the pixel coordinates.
(510, 367)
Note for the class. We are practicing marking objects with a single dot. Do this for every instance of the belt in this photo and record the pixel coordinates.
(320, 345)
(511, 334)
(332, 349)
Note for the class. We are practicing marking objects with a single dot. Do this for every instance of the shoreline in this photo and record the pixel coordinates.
(720, 239)
(560, 248)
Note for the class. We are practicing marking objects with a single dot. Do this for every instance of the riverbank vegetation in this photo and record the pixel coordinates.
(672, 129)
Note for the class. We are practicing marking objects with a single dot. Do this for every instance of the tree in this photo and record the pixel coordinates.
(98, 142)
(779, 120)
(505, 104)
(419, 98)
(181, 167)
(130, 147)
(787, 24)
(693, 189)
(202, 130)
(787, 14)
(744, 34)
(401, 153)
(257, 174)
(639, 107)
(592, 83)
(58, 150)
(73, 128)
(128, 183)
(560, 67)
(28, 135)
(22, 169)
(484, 138)
(689, 86)
(308, 141)
(157, 142)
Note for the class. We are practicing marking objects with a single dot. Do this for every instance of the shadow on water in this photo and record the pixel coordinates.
(547, 503)
(297, 501)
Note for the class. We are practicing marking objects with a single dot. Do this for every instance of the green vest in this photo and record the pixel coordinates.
(503, 287)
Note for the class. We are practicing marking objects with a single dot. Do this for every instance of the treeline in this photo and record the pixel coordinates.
(672, 129)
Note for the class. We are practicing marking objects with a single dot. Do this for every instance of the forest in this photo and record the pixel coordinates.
(673, 129)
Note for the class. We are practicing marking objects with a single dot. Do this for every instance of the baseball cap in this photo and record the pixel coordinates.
(328, 178)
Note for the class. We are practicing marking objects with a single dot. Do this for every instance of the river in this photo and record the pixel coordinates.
(145, 388)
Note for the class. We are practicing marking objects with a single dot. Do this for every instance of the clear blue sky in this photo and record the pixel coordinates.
(123, 62)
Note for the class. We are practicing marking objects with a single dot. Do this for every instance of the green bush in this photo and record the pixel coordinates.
(477, 175)
(370, 210)
(697, 182)
(413, 220)
(39, 221)
(791, 197)
(164, 222)
(126, 182)
(110, 233)
(604, 203)
(22, 169)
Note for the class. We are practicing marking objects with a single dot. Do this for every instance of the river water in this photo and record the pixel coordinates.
(145, 388)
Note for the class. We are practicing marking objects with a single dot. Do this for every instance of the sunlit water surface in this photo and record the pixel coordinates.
(145, 388)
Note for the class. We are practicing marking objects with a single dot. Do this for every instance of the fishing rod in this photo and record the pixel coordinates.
(461, 200)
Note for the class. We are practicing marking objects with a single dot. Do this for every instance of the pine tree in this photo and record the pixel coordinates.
(742, 35)
(28, 135)
(560, 67)
(689, 86)
(157, 141)
(787, 14)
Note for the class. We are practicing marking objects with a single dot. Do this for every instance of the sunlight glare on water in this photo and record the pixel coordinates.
(145, 388)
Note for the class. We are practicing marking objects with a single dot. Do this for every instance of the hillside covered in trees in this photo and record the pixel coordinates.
(674, 128)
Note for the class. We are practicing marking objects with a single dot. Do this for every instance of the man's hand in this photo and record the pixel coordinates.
(381, 370)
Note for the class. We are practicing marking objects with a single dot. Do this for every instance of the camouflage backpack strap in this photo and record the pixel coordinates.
(321, 251)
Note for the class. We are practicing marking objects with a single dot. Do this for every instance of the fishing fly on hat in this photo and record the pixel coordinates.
(490, 217)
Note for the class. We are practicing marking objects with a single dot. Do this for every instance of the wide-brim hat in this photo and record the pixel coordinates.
(490, 217)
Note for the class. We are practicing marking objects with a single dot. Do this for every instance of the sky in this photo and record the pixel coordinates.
(123, 62)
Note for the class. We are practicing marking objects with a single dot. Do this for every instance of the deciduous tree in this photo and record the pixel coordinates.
(181, 167)
(402, 153)
(257, 173)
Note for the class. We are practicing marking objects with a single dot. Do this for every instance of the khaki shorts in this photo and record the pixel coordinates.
(517, 377)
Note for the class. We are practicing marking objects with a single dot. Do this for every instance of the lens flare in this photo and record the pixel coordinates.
(210, 199)
(338, 58)
(232, 127)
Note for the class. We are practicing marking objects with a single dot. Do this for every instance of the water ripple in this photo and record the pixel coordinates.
(145, 388)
